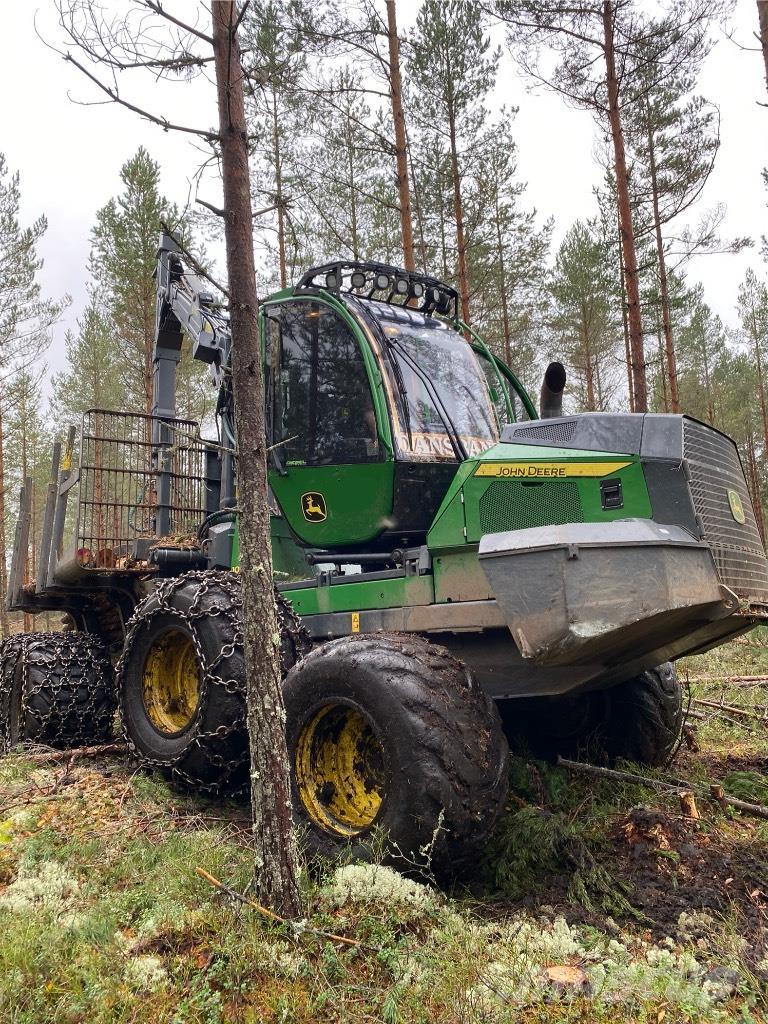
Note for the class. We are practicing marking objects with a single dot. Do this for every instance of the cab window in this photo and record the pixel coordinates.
(495, 382)
(321, 403)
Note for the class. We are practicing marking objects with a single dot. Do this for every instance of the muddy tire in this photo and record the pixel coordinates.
(638, 720)
(181, 680)
(393, 748)
(57, 689)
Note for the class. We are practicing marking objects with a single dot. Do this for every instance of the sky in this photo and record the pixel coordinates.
(69, 155)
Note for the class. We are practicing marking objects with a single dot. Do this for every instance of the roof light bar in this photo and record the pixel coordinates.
(384, 283)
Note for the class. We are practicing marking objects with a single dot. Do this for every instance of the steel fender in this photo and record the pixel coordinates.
(596, 591)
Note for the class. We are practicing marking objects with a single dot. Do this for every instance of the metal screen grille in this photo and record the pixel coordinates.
(715, 469)
(118, 501)
(516, 505)
(559, 433)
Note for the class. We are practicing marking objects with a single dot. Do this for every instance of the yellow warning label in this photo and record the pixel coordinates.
(541, 470)
(355, 622)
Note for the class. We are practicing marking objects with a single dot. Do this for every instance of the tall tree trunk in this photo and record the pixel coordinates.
(417, 206)
(401, 156)
(352, 187)
(29, 563)
(275, 850)
(3, 552)
(666, 322)
(637, 354)
(458, 212)
(762, 20)
(662, 368)
(278, 158)
(760, 382)
(502, 278)
(625, 323)
(754, 485)
(707, 381)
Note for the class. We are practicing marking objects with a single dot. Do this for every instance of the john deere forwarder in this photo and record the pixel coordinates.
(441, 555)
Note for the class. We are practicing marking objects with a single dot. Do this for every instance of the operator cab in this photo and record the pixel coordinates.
(373, 398)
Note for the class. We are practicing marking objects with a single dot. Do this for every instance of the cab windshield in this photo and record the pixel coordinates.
(444, 386)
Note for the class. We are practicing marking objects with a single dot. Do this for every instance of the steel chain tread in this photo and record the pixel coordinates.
(67, 689)
(218, 594)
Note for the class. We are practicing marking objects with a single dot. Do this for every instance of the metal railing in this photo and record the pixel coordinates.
(129, 485)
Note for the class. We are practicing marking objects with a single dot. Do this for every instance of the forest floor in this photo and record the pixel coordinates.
(597, 901)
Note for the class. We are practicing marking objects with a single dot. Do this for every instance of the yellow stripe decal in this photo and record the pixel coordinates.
(558, 470)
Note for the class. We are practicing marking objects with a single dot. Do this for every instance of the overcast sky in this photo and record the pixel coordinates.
(69, 156)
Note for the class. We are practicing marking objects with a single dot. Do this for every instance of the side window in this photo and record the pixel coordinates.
(498, 399)
(321, 402)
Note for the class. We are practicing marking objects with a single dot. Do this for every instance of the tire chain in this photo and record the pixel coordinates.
(219, 593)
(65, 708)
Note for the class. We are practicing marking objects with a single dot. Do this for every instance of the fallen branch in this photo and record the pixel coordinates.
(758, 810)
(680, 788)
(730, 708)
(297, 927)
(715, 713)
(52, 756)
(731, 680)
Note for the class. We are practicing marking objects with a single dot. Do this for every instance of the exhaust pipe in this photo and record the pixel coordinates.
(551, 400)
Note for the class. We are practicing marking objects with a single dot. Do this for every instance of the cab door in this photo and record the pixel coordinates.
(328, 469)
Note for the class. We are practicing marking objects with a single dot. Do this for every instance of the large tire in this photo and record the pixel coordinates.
(391, 742)
(181, 680)
(57, 689)
(638, 720)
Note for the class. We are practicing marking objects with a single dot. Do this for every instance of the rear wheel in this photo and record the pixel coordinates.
(181, 679)
(393, 749)
(638, 720)
(56, 689)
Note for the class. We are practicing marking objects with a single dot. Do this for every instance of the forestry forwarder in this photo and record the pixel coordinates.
(425, 522)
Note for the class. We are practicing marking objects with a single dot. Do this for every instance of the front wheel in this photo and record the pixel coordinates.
(393, 750)
(638, 720)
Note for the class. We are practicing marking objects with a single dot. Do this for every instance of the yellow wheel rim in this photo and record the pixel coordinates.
(171, 682)
(340, 770)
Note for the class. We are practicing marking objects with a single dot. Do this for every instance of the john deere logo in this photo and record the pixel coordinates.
(737, 509)
(313, 507)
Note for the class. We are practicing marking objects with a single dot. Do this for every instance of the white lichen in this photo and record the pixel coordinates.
(145, 973)
(366, 883)
(45, 886)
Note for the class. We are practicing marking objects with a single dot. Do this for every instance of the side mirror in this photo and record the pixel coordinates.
(551, 402)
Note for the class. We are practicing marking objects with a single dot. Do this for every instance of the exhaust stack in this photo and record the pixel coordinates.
(551, 400)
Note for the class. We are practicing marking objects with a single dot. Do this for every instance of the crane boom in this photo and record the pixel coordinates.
(185, 307)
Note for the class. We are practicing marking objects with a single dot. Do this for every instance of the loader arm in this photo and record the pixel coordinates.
(186, 307)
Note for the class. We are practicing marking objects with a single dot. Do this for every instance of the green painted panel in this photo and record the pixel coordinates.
(494, 505)
(357, 501)
(360, 595)
(459, 577)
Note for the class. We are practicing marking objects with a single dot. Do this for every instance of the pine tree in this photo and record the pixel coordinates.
(507, 252)
(608, 54)
(274, 112)
(675, 138)
(92, 377)
(28, 455)
(452, 69)
(123, 256)
(753, 313)
(25, 319)
(585, 323)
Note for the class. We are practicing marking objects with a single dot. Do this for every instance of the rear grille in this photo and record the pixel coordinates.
(560, 433)
(715, 468)
(517, 504)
